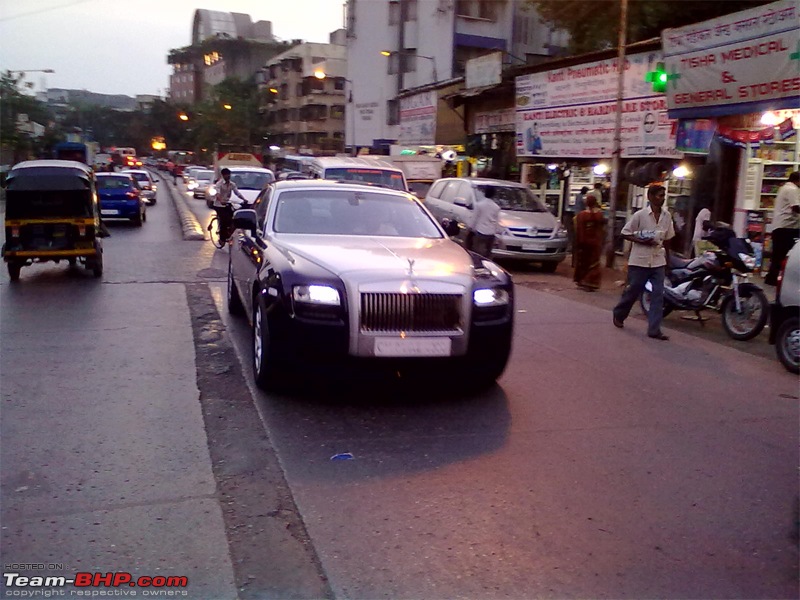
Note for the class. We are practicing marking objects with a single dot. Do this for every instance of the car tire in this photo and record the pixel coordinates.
(235, 306)
(266, 371)
(137, 220)
(13, 270)
(787, 344)
(96, 264)
(484, 373)
(144, 215)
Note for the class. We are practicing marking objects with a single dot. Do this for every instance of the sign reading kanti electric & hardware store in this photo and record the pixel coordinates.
(741, 63)
(571, 112)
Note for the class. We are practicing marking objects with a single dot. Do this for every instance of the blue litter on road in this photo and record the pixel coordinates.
(342, 456)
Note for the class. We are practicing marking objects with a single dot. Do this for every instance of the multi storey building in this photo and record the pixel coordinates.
(397, 45)
(304, 92)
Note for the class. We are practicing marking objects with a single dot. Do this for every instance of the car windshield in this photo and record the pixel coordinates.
(514, 198)
(141, 177)
(113, 183)
(391, 179)
(204, 175)
(252, 180)
(342, 212)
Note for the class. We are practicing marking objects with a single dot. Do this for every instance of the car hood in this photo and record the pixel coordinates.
(366, 258)
(541, 220)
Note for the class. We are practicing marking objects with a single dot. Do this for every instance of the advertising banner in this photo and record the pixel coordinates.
(741, 63)
(418, 119)
(495, 121)
(571, 112)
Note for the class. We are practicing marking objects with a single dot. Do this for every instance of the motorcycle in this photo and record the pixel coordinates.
(717, 280)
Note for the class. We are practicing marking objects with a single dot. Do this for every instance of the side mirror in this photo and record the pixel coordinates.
(450, 227)
(245, 218)
(462, 202)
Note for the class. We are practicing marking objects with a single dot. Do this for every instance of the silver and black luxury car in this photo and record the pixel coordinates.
(338, 276)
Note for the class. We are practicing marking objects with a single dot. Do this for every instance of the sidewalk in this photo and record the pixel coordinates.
(561, 284)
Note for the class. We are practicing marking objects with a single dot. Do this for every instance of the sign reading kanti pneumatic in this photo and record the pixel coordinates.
(571, 112)
(742, 63)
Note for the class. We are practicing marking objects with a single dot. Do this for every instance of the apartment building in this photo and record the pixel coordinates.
(304, 92)
(397, 45)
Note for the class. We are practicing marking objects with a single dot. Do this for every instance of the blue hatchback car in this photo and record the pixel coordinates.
(120, 198)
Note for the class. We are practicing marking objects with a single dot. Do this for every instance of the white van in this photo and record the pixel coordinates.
(367, 169)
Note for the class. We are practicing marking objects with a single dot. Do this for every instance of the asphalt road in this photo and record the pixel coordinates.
(603, 464)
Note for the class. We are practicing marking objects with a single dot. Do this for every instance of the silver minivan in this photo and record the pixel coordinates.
(527, 230)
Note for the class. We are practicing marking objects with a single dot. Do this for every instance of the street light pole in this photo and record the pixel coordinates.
(402, 53)
(617, 147)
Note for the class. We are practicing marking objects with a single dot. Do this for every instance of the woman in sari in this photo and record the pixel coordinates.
(589, 237)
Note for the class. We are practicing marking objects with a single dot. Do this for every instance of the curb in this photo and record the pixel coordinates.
(192, 230)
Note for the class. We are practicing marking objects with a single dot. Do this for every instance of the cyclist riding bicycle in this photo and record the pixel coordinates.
(222, 203)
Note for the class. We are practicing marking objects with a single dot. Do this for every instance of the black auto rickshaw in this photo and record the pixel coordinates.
(52, 214)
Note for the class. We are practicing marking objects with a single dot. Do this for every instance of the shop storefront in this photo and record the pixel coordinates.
(565, 124)
(741, 73)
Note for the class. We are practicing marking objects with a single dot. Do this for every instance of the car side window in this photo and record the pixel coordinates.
(464, 191)
(449, 193)
(436, 189)
(261, 205)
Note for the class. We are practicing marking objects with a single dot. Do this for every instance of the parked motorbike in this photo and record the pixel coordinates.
(717, 280)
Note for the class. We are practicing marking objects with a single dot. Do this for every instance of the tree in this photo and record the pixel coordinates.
(15, 102)
(593, 24)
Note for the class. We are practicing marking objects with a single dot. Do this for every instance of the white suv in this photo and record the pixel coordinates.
(784, 330)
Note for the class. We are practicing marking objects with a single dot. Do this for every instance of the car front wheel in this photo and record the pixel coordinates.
(265, 368)
(787, 344)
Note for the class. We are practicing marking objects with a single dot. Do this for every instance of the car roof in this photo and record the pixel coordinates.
(336, 184)
(52, 163)
(486, 181)
(250, 169)
(329, 162)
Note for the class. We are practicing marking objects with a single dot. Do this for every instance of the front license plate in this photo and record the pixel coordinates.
(108, 211)
(412, 346)
(534, 247)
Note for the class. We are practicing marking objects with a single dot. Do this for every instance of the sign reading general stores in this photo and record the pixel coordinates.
(741, 63)
(571, 112)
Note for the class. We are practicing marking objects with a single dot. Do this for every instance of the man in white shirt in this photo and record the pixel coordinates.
(785, 225)
(483, 224)
(649, 230)
(222, 203)
(703, 215)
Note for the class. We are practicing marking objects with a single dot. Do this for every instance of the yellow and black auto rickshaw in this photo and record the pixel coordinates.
(52, 214)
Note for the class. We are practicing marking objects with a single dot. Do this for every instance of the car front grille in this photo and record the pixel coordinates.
(387, 311)
(531, 232)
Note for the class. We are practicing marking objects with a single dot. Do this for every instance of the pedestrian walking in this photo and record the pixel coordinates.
(785, 225)
(649, 230)
(589, 238)
(483, 225)
(703, 215)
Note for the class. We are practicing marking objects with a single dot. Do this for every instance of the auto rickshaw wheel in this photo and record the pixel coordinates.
(72, 261)
(13, 270)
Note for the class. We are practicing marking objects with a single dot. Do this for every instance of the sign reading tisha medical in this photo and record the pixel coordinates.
(741, 63)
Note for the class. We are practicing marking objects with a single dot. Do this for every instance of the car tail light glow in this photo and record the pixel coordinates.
(15, 232)
(132, 194)
(81, 230)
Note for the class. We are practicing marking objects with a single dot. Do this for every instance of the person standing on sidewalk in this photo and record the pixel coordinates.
(785, 225)
(483, 225)
(649, 230)
(589, 237)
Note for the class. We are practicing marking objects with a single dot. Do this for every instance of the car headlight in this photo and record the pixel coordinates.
(562, 232)
(316, 294)
(212, 191)
(749, 261)
(191, 185)
(502, 231)
(490, 297)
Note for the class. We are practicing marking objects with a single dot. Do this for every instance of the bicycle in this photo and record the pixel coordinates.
(216, 234)
(214, 229)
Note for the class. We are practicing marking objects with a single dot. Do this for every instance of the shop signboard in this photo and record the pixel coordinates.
(571, 112)
(495, 121)
(745, 62)
(418, 119)
(484, 71)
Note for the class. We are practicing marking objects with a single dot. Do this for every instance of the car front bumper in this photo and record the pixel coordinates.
(545, 250)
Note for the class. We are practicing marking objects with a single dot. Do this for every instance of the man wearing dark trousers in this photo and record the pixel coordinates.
(785, 225)
(649, 230)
